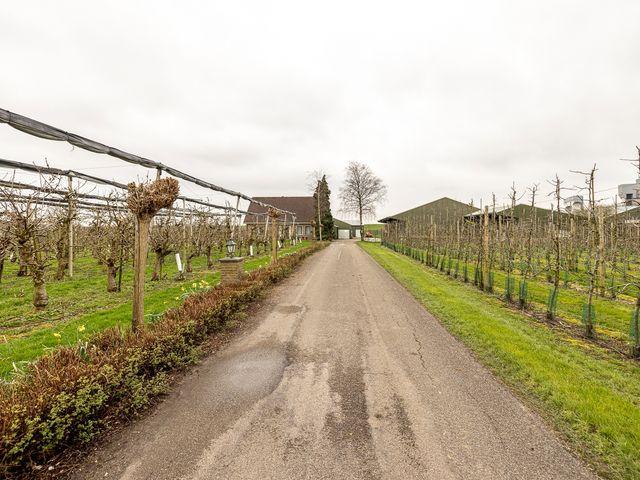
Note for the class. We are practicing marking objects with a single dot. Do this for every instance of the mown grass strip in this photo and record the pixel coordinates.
(590, 396)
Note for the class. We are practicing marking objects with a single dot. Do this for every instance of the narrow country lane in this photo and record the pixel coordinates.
(344, 376)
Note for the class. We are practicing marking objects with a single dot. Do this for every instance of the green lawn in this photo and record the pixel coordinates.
(588, 394)
(81, 306)
(375, 228)
(613, 316)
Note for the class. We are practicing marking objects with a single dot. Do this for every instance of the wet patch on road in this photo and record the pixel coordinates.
(287, 309)
(349, 430)
(254, 372)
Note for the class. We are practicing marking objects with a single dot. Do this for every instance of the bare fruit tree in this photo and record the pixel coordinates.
(144, 201)
(30, 227)
(163, 242)
(5, 240)
(361, 192)
(112, 240)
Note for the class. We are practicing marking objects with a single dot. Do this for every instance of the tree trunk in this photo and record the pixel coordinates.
(23, 255)
(139, 263)
(63, 263)
(1, 268)
(189, 268)
(209, 258)
(40, 297)
(157, 266)
(112, 286)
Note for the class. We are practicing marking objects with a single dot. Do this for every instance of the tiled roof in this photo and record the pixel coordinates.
(301, 206)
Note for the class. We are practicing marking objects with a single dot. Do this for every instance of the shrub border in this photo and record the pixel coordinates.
(68, 396)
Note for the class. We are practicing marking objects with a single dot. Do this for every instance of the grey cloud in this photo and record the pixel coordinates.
(455, 98)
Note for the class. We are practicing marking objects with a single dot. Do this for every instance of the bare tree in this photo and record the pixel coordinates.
(163, 243)
(112, 234)
(30, 227)
(361, 191)
(196, 239)
(213, 238)
(144, 201)
(5, 241)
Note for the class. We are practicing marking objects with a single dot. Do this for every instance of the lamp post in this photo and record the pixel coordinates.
(231, 267)
(231, 248)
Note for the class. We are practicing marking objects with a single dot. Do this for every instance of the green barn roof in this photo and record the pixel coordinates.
(440, 210)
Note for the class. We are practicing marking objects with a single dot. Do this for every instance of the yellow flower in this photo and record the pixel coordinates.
(177, 298)
(81, 328)
(57, 335)
(182, 288)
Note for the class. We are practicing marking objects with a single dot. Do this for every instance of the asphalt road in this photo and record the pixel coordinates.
(344, 376)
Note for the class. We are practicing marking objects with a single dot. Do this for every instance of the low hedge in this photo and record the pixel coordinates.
(68, 396)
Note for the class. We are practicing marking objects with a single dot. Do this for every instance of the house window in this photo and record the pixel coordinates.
(307, 230)
(629, 199)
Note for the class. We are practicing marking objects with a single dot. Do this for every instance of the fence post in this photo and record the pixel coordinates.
(273, 215)
(139, 264)
(71, 215)
(485, 250)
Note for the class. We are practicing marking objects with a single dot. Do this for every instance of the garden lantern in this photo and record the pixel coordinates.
(231, 248)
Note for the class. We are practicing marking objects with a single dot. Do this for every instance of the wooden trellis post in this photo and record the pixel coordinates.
(295, 231)
(273, 215)
(140, 248)
(71, 215)
(145, 201)
(184, 253)
(485, 250)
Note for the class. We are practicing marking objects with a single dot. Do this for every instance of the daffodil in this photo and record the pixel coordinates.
(81, 328)
(57, 335)
(177, 298)
(194, 285)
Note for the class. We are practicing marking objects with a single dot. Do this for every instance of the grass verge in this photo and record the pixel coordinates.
(96, 309)
(587, 394)
(70, 395)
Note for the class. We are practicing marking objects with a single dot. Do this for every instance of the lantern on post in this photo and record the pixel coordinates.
(231, 248)
(231, 267)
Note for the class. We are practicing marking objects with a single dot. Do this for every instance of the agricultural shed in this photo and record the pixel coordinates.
(521, 212)
(630, 214)
(345, 229)
(443, 210)
(302, 207)
(342, 229)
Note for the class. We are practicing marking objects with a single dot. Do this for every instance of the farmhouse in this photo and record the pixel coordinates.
(301, 227)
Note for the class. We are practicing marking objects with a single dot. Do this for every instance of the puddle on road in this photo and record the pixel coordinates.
(288, 308)
(253, 373)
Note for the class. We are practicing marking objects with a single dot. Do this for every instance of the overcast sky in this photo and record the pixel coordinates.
(455, 98)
